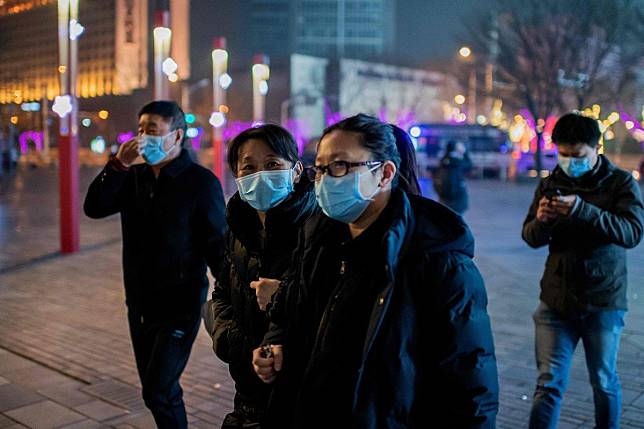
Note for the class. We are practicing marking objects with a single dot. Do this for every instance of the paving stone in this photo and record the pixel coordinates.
(15, 396)
(86, 424)
(67, 394)
(5, 421)
(10, 363)
(100, 410)
(142, 422)
(37, 377)
(45, 415)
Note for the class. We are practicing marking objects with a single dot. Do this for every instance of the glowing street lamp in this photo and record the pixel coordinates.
(169, 66)
(466, 55)
(62, 105)
(221, 80)
(261, 74)
(162, 39)
(465, 52)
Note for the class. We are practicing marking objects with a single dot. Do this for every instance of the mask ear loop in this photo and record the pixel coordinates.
(173, 144)
(359, 176)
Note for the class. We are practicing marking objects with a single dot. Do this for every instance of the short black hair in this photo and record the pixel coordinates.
(170, 111)
(276, 137)
(573, 128)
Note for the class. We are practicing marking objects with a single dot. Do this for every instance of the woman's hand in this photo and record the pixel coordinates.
(267, 367)
(264, 290)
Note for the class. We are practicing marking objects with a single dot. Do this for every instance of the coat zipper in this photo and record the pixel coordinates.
(329, 309)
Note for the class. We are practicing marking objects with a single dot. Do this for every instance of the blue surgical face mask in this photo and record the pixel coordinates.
(340, 197)
(574, 167)
(152, 149)
(265, 189)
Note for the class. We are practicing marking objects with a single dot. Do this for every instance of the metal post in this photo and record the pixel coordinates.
(68, 135)
(261, 73)
(471, 106)
(219, 69)
(162, 39)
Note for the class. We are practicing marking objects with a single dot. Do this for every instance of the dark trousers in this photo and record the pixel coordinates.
(161, 351)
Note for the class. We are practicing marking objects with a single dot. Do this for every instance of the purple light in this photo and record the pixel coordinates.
(299, 129)
(234, 128)
(35, 136)
(123, 137)
(196, 141)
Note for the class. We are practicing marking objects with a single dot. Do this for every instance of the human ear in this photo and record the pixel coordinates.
(298, 168)
(388, 173)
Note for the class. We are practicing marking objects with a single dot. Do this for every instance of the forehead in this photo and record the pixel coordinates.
(151, 119)
(255, 149)
(338, 144)
(574, 147)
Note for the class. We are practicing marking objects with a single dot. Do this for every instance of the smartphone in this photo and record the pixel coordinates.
(550, 193)
(267, 351)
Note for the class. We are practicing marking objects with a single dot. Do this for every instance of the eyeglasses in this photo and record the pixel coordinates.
(337, 168)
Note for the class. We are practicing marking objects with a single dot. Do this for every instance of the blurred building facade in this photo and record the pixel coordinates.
(113, 56)
(363, 29)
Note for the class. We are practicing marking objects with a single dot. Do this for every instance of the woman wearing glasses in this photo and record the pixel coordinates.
(383, 323)
(274, 199)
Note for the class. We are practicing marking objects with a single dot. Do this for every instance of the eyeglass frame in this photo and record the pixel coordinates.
(325, 169)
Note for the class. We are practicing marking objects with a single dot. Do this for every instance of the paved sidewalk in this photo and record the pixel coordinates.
(65, 354)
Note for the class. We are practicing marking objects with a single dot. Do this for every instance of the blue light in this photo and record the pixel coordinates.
(415, 131)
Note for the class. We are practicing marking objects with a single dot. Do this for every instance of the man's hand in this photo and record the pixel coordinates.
(128, 152)
(267, 368)
(264, 290)
(546, 213)
(563, 204)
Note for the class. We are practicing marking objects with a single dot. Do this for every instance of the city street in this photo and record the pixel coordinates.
(65, 354)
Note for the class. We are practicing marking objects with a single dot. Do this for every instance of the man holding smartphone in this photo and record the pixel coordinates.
(588, 212)
(172, 215)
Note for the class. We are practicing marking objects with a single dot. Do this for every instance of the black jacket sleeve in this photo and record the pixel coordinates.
(623, 225)
(220, 309)
(212, 219)
(106, 193)
(535, 233)
(465, 385)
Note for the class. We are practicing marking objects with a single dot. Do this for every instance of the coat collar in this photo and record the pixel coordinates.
(177, 165)
(399, 234)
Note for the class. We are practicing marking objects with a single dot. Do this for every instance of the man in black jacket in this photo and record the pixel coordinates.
(588, 212)
(172, 216)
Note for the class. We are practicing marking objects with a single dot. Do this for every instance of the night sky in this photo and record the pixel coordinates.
(427, 30)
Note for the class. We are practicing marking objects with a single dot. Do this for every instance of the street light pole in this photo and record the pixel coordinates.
(69, 29)
(162, 38)
(471, 97)
(261, 73)
(220, 82)
(466, 54)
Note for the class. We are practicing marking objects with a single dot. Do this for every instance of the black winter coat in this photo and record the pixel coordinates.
(173, 226)
(238, 324)
(428, 356)
(586, 266)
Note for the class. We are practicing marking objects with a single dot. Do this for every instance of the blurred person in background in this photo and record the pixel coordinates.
(449, 181)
